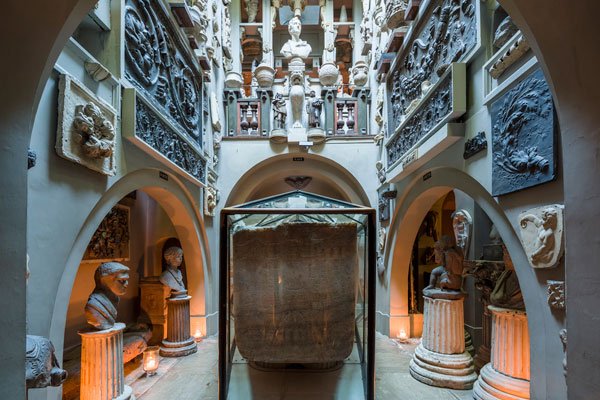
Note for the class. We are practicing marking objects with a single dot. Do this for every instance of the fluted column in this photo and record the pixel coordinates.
(179, 341)
(102, 375)
(507, 375)
(441, 359)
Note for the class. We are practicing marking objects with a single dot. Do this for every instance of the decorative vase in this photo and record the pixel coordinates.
(233, 80)
(264, 75)
(328, 74)
(360, 73)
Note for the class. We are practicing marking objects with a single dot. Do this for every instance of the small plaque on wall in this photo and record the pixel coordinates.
(523, 136)
(110, 242)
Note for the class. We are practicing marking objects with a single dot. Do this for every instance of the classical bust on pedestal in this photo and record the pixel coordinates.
(446, 280)
(171, 276)
(295, 47)
(111, 280)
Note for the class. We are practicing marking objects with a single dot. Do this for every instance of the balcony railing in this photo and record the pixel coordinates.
(248, 117)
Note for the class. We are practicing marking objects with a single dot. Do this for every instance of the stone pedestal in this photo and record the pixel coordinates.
(483, 352)
(102, 375)
(507, 375)
(440, 359)
(179, 342)
(153, 304)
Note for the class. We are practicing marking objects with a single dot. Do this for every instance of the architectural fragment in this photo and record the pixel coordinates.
(474, 145)
(541, 232)
(556, 294)
(86, 127)
(210, 200)
(110, 242)
(523, 136)
(462, 224)
(41, 366)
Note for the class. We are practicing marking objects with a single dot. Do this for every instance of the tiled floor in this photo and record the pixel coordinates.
(195, 378)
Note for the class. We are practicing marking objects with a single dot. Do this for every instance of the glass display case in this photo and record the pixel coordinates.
(297, 294)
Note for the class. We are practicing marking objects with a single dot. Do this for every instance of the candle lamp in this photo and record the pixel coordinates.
(151, 360)
(402, 336)
(198, 335)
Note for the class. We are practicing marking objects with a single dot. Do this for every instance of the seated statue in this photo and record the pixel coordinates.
(111, 280)
(171, 276)
(507, 292)
(295, 47)
(446, 280)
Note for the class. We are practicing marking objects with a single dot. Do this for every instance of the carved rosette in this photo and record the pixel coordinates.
(159, 66)
(541, 232)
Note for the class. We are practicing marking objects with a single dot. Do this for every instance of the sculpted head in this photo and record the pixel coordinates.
(113, 277)
(173, 256)
(295, 27)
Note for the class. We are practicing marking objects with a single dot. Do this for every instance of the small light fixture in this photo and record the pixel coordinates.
(198, 335)
(151, 360)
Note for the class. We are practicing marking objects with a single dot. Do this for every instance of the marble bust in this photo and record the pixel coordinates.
(295, 47)
(446, 279)
(111, 280)
(171, 276)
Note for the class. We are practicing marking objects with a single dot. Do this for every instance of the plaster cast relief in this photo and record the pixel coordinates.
(96, 70)
(210, 200)
(510, 56)
(41, 366)
(462, 224)
(380, 171)
(31, 158)
(111, 280)
(523, 132)
(556, 294)
(542, 235)
(110, 242)
(298, 182)
(394, 13)
(86, 128)
(381, 239)
(563, 340)
(449, 36)
(214, 112)
(506, 29)
(251, 9)
(159, 66)
(474, 145)
(279, 112)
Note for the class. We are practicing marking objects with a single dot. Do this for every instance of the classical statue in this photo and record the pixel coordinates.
(111, 280)
(507, 292)
(446, 280)
(313, 108)
(279, 111)
(295, 47)
(171, 276)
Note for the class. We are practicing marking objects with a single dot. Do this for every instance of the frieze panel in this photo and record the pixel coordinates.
(154, 132)
(110, 242)
(523, 136)
(448, 34)
(435, 109)
(159, 66)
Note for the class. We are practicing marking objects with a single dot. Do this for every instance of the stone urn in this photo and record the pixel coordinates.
(328, 74)
(233, 80)
(264, 75)
(360, 73)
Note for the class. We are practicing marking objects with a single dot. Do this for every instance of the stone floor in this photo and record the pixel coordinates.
(195, 378)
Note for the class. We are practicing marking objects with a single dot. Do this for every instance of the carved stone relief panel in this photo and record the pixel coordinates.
(210, 200)
(523, 136)
(86, 131)
(556, 294)
(157, 63)
(153, 131)
(542, 235)
(447, 33)
(110, 242)
(474, 145)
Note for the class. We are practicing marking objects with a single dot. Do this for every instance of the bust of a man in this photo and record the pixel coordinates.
(295, 47)
(171, 276)
(111, 280)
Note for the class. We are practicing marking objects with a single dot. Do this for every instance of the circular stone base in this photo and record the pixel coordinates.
(493, 385)
(317, 135)
(127, 394)
(453, 371)
(178, 349)
(278, 136)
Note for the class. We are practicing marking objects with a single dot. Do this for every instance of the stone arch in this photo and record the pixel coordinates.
(412, 206)
(178, 204)
(273, 169)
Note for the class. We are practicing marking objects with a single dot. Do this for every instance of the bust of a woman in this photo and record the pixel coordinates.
(295, 47)
(171, 276)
